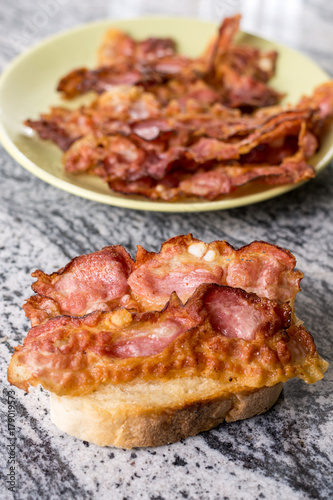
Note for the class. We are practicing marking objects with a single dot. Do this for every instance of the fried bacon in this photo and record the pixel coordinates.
(221, 332)
(153, 63)
(156, 147)
(192, 309)
(184, 263)
(169, 127)
(122, 60)
(211, 184)
(88, 283)
(110, 113)
(106, 279)
(245, 90)
(117, 47)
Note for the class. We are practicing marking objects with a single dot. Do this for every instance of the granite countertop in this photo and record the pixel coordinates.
(286, 453)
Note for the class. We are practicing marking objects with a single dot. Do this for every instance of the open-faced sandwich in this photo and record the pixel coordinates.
(148, 351)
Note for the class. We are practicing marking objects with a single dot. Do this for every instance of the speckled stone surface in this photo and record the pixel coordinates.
(284, 454)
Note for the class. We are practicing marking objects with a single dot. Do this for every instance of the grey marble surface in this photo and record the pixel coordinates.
(284, 454)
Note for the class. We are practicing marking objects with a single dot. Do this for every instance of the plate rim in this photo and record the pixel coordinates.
(128, 201)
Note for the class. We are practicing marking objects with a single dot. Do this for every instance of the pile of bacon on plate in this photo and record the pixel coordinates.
(170, 127)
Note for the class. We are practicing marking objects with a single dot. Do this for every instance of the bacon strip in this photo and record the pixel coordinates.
(109, 278)
(223, 180)
(117, 59)
(221, 332)
(241, 71)
(321, 102)
(118, 46)
(184, 263)
(245, 90)
(108, 156)
(276, 127)
(48, 129)
(144, 157)
(221, 46)
(145, 74)
(88, 283)
(130, 110)
(153, 63)
(148, 150)
(253, 62)
(110, 113)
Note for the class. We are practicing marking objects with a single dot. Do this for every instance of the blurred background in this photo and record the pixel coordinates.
(302, 24)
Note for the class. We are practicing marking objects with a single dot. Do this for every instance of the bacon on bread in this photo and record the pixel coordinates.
(192, 315)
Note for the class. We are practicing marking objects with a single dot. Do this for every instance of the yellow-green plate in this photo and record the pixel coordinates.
(27, 88)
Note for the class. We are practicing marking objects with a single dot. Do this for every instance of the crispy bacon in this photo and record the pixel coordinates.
(131, 110)
(109, 278)
(82, 80)
(169, 127)
(118, 157)
(145, 74)
(108, 156)
(213, 183)
(267, 270)
(276, 127)
(224, 179)
(110, 113)
(226, 35)
(253, 62)
(88, 283)
(193, 309)
(321, 102)
(184, 263)
(153, 63)
(244, 90)
(155, 149)
(148, 152)
(48, 129)
(241, 315)
(221, 332)
(118, 46)
(40, 308)
(241, 71)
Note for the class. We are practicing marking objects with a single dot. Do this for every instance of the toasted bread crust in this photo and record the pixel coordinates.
(136, 416)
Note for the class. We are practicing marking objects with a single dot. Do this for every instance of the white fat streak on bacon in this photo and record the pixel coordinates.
(89, 282)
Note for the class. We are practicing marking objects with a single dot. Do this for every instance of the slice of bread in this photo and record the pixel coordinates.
(142, 414)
